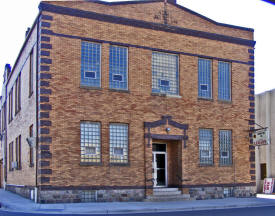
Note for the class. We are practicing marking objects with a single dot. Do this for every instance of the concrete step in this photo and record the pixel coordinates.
(165, 189)
(168, 198)
(166, 193)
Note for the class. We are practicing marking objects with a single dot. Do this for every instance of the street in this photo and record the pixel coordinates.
(255, 211)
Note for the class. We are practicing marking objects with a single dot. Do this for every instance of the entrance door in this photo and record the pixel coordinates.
(159, 165)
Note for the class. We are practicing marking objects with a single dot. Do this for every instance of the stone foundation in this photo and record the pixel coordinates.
(25, 191)
(200, 193)
(72, 196)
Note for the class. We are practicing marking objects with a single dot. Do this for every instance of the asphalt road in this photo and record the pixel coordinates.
(257, 211)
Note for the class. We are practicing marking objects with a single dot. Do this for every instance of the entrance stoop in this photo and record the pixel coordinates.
(167, 194)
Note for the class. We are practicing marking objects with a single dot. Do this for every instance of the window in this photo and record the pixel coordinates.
(11, 105)
(90, 142)
(205, 78)
(225, 141)
(224, 92)
(10, 156)
(18, 152)
(206, 146)
(90, 64)
(118, 67)
(31, 147)
(18, 94)
(263, 171)
(31, 73)
(165, 73)
(118, 143)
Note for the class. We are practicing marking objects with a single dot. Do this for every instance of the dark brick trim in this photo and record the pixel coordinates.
(220, 185)
(45, 38)
(45, 91)
(44, 83)
(147, 48)
(252, 116)
(46, 31)
(251, 69)
(253, 177)
(164, 136)
(252, 91)
(43, 139)
(44, 147)
(251, 80)
(46, 17)
(252, 104)
(44, 53)
(44, 68)
(44, 130)
(45, 76)
(252, 172)
(251, 57)
(45, 24)
(44, 180)
(251, 74)
(251, 63)
(251, 147)
(46, 46)
(163, 121)
(251, 51)
(143, 24)
(44, 115)
(252, 165)
(45, 61)
(45, 106)
(44, 99)
(252, 159)
(45, 155)
(251, 86)
(45, 171)
(45, 123)
(44, 163)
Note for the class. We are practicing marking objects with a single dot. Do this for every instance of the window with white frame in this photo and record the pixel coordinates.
(225, 140)
(224, 89)
(205, 78)
(206, 146)
(118, 143)
(90, 64)
(90, 142)
(118, 67)
(165, 73)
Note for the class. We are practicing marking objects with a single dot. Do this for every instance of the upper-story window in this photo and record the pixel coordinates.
(11, 105)
(165, 73)
(205, 78)
(18, 94)
(225, 140)
(206, 146)
(31, 73)
(118, 67)
(224, 92)
(90, 64)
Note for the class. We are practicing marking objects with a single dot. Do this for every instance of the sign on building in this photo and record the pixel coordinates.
(268, 185)
(261, 137)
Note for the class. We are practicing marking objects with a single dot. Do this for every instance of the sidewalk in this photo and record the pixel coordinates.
(13, 202)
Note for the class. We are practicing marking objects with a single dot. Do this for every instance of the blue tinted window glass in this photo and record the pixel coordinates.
(118, 67)
(205, 78)
(165, 73)
(225, 141)
(224, 90)
(90, 64)
(206, 146)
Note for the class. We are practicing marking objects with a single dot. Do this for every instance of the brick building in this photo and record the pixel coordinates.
(122, 100)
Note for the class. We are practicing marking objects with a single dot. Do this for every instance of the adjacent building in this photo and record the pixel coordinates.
(265, 118)
(114, 101)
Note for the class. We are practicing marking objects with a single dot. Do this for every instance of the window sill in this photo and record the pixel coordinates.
(90, 164)
(120, 164)
(90, 87)
(165, 95)
(120, 90)
(226, 165)
(206, 165)
(205, 99)
(225, 101)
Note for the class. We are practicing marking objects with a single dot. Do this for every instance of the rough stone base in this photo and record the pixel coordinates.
(201, 193)
(72, 196)
(25, 191)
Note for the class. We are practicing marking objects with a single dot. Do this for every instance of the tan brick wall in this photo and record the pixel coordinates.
(71, 104)
(153, 12)
(25, 118)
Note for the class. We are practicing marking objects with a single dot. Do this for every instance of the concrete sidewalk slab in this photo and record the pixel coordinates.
(13, 202)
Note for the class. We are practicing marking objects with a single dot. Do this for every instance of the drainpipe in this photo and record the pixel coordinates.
(268, 124)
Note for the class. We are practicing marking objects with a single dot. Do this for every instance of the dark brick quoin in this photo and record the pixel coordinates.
(45, 61)
(44, 99)
(44, 68)
(44, 115)
(46, 46)
(46, 39)
(45, 139)
(44, 180)
(45, 171)
(45, 123)
(45, 106)
(44, 147)
(45, 76)
(44, 83)
(44, 130)
(45, 155)
(46, 17)
(45, 91)
(44, 163)
(46, 24)
(44, 52)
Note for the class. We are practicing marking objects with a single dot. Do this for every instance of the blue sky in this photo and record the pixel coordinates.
(17, 15)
